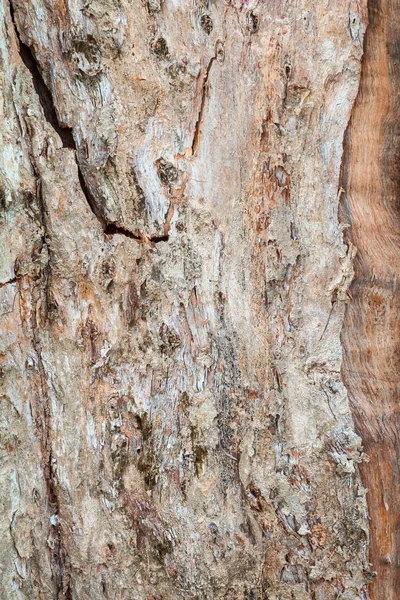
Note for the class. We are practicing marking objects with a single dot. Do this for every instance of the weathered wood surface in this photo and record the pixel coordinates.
(173, 286)
(371, 330)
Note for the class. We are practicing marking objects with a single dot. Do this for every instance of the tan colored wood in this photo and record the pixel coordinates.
(371, 329)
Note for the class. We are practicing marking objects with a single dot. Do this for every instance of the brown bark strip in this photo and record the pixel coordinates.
(372, 326)
(39, 296)
(59, 553)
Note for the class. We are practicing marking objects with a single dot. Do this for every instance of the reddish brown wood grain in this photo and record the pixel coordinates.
(371, 331)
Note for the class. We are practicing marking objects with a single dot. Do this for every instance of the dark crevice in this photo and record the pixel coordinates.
(60, 556)
(4, 283)
(204, 89)
(113, 228)
(68, 141)
(42, 90)
(59, 553)
(89, 196)
(159, 238)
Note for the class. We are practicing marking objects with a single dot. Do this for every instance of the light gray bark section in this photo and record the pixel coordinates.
(173, 283)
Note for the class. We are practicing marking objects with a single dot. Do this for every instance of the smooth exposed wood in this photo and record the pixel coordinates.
(371, 332)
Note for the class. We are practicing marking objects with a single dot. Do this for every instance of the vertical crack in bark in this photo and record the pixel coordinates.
(41, 89)
(40, 286)
(199, 122)
(371, 331)
(58, 552)
(67, 138)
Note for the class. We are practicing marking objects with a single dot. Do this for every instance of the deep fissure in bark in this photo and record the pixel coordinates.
(113, 229)
(40, 286)
(58, 552)
(88, 195)
(41, 89)
(204, 90)
(67, 138)
(8, 282)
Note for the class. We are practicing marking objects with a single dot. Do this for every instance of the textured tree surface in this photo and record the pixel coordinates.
(173, 284)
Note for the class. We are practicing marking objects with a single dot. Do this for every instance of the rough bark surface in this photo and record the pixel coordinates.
(173, 282)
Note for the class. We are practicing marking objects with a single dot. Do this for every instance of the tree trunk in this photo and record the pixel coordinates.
(173, 286)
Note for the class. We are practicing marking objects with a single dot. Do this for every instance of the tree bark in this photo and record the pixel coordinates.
(173, 284)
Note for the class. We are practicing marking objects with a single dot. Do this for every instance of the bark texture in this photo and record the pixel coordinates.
(173, 285)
